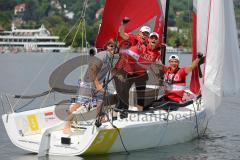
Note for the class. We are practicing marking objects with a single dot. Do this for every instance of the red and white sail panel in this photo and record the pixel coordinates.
(139, 12)
(194, 83)
(217, 38)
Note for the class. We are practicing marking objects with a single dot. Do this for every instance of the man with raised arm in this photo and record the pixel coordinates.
(175, 78)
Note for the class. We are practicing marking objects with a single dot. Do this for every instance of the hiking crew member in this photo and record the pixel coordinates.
(91, 88)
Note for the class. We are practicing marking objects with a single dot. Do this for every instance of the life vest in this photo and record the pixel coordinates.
(128, 60)
(135, 55)
(175, 83)
(149, 55)
(131, 66)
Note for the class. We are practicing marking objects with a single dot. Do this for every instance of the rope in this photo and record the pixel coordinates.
(70, 31)
(119, 133)
(32, 96)
(81, 19)
(82, 33)
(79, 25)
(2, 103)
(32, 82)
(120, 136)
(98, 120)
(25, 105)
(19, 97)
(196, 121)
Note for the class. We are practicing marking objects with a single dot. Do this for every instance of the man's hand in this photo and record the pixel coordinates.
(121, 29)
(99, 88)
(125, 20)
(120, 77)
(199, 55)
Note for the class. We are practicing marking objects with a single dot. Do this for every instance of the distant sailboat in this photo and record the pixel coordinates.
(214, 34)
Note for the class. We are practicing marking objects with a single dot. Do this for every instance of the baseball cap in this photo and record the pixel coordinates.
(145, 29)
(154, 34)
(173, 56)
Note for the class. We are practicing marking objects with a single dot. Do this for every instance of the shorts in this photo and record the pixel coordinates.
(84, 100)
(88, 95)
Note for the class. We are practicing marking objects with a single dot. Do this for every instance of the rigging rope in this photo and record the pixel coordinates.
(25, 105)
(102, 110)
(32, 96)
(119, 133)
(2, 104)
(81, 24)
(82, 17)
(196, 120)
(33, 80)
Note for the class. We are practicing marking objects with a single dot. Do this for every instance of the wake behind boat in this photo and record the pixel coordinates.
(41, 130)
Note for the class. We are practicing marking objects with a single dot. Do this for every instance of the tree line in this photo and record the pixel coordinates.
(42, 12)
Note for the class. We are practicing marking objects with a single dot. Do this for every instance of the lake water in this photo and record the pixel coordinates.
(29, 73)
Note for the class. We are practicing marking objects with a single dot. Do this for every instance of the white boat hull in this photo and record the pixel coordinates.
(150, 130)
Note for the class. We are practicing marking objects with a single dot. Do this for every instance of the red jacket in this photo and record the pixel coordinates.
(132, 66)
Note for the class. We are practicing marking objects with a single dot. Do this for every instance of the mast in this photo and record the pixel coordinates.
(163, 55)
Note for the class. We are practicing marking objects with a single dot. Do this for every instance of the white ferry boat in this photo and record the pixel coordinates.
(174, 50)
(171, 49)
(30, 40)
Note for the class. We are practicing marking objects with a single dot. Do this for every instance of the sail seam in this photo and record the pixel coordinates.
(208, 28)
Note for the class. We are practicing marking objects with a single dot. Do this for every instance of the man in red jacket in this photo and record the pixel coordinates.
(175, 78)
(130, 65)
(175, 82)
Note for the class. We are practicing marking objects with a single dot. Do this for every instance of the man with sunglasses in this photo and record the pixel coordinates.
(126, 68)
(150, 52)
(91, 89)
(134, 71)
(149, 55)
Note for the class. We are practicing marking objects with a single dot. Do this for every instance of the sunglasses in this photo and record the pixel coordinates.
(155, 37)
(146, 33)
(110, 45)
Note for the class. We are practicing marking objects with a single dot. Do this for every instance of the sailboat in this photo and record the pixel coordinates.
(214, 34)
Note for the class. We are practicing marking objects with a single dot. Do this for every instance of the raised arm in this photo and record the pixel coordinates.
(194, 64)
(122, 33)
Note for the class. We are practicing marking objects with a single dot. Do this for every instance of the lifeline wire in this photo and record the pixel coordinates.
(120, 136)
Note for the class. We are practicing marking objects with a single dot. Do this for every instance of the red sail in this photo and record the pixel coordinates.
(194, 84)
(139, 12)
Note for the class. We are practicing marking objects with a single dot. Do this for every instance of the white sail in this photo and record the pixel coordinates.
(163, 5)
(217, 39)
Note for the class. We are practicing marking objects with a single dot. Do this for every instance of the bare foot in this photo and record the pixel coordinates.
(104, 119)
(67, 130)
(115, 114)
(140, 108)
